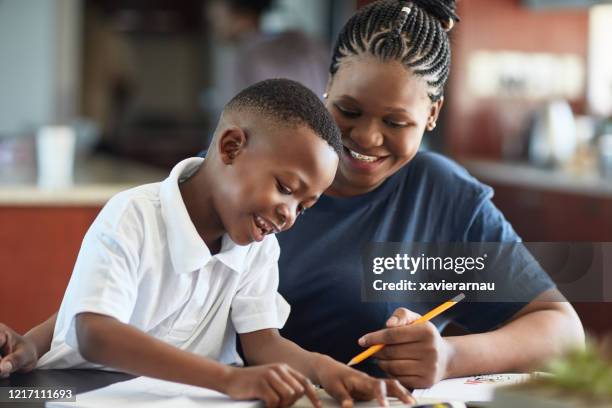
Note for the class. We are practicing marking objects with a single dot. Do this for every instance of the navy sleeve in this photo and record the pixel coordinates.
(489, 225)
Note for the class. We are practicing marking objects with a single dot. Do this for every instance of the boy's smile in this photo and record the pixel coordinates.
(263, 227)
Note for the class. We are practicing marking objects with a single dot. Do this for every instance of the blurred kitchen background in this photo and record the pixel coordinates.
(127, 88)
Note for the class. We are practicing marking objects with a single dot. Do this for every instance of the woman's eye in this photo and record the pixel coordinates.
(394, 124)
(283, 189)
(346, 112)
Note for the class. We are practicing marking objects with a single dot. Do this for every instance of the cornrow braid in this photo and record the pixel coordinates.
(411, 32)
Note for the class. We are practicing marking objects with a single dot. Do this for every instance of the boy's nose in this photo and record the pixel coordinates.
(285, 217)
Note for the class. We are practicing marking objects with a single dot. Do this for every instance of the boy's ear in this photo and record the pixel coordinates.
(231, 144)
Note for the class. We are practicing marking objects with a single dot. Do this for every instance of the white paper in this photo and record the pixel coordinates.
(144, 392)
(477, 388)
(147, 392)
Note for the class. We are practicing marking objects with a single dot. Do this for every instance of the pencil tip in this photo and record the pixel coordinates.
(351, 363)
(459, 297)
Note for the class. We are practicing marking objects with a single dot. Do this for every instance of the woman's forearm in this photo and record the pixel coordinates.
(524, 344)
(106, 341)
(42, 335)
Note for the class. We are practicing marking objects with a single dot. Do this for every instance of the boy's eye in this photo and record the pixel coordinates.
(347, 112)
(283, 189)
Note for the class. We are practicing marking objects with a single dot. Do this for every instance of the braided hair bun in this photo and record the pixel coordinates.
(412, 32)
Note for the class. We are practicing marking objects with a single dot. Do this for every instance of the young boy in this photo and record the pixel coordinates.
(169, 272)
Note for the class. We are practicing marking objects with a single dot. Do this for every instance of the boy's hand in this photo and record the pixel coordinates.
(277, 385)
(17, 353)
(345, 384)
(414, 354)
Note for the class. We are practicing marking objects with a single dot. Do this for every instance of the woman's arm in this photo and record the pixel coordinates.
(419, 357)
(540, 331)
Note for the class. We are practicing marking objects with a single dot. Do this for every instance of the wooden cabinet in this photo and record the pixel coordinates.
(547, 216)
(539, 215)
(38, 248)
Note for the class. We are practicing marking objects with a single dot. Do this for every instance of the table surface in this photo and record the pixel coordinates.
(79, 380)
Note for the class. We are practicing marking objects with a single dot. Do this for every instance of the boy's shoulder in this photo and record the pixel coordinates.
(262, 253)
(137, 203)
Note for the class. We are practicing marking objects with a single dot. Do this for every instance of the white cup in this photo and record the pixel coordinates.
(55, 154)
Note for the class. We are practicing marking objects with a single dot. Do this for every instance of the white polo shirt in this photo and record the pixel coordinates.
(143, 263)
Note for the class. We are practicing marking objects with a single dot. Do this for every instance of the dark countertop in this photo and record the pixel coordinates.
(79, 380)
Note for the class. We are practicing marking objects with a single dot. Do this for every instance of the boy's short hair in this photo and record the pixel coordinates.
(289, 102)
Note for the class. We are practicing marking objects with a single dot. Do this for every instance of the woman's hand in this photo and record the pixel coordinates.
(345, 384)
(277, 385)
(17, 353)
(414, 354)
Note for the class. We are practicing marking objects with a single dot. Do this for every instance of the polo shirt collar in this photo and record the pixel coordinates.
(188, 251)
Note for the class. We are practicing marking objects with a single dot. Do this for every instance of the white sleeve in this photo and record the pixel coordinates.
(257, 305)
(105, 276)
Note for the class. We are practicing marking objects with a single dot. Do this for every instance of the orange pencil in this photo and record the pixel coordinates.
(425, 318)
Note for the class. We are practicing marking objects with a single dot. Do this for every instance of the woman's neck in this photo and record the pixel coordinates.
(343, 188)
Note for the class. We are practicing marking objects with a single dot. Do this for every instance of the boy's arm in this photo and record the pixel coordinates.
(340, 381)
(105, 340)
(268, 346)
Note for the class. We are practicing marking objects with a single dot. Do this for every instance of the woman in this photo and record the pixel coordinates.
(387, 75)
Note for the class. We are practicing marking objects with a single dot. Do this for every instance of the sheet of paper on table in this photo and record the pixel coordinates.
(147, 392)
(470, 389)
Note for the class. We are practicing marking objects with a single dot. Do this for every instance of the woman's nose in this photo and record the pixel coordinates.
(366, 134)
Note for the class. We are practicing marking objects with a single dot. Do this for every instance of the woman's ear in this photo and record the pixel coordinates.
(231, 144)
(434, 112)
(327, 86)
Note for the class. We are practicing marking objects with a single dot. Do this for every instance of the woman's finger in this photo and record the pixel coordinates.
(400, 368)
(401, 317)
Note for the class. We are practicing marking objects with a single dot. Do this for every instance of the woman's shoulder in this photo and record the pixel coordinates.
(441, 175)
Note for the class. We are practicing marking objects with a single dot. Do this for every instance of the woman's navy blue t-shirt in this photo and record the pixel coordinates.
(431, 199)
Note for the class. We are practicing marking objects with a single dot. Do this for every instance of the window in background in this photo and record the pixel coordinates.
(600, 61)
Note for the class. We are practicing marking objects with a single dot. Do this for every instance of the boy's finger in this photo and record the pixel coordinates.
(270, 397)
(380, 392)
(401, 317)
(290, 379)
(294, 384)
(284, 392)
(310, 391)
(395, 389)
(341, 394)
